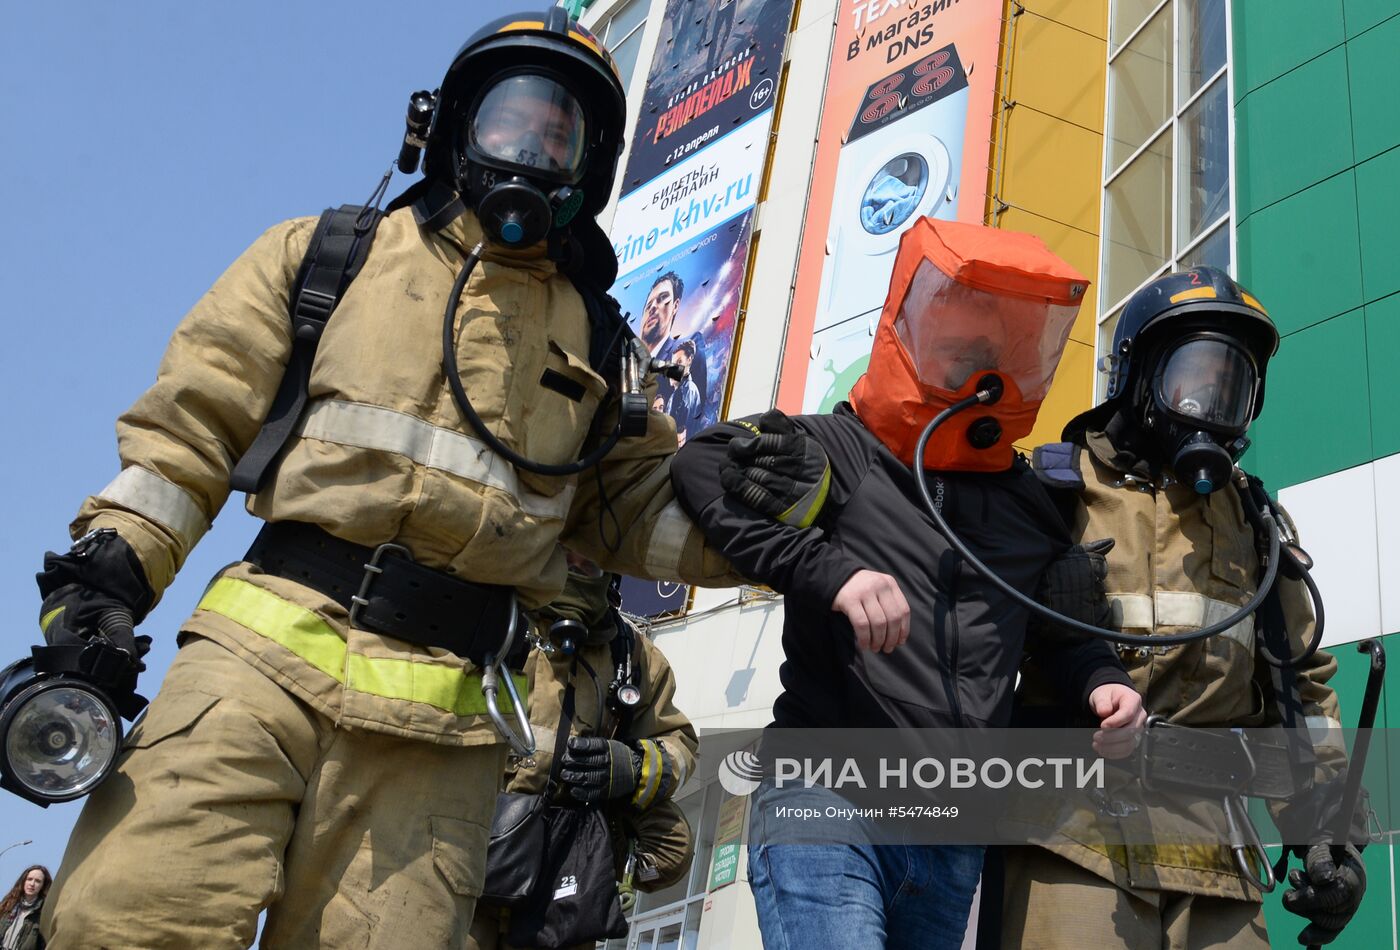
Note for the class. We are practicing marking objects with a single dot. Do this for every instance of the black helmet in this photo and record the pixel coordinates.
(1199, 300)
(546, 44)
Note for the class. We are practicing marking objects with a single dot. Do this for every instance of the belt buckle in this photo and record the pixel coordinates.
(360, 600)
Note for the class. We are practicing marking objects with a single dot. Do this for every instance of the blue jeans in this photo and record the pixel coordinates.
(860, 896)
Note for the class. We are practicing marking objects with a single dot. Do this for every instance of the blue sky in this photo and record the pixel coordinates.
(146, 145)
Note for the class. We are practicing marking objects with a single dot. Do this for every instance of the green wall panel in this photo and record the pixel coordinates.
(1278, 154)
(1301, 256)
(1375, 76)
(1361, 15)
(1273, 37)
(1382, 349)
(1378, 213)
(1316, 418)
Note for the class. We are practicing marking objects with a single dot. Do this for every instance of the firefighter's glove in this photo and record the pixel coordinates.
(779, 471)
(97, 589)
(1327, 891)
(597, 770)
(1073, 585)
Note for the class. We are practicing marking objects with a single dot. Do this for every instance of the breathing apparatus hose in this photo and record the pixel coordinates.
(459, 393)
(989, 391)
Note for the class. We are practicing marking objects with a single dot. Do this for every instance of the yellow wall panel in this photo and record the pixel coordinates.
(1070, 394)
(1059, 71)
(1091, 16)
(1080, 249)
(1053, 169)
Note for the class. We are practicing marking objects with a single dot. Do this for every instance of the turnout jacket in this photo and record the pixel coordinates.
(382, 454)
(959, 664)
(1180, 561)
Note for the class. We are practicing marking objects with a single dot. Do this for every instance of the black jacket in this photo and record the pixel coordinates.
(966, 639)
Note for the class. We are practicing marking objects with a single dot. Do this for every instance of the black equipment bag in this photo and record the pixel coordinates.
(552, 865)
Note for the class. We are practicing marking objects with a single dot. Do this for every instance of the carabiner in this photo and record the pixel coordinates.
(522, 743)
(1241, 848)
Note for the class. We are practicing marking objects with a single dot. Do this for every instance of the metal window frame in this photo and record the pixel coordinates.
(1226, 219)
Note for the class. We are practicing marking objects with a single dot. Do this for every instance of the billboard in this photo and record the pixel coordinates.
(905, 132)
(683, 224)
(716, 67)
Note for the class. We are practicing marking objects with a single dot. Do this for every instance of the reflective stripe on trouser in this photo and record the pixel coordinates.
(1051, 903)
(308, 636)
(234, 796)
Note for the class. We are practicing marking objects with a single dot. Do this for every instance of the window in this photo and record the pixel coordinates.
(621, 33)
(674, 913)
(1167, 151)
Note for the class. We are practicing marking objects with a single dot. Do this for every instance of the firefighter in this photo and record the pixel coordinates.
(1153, 467)
(321, 747)
(630, 749)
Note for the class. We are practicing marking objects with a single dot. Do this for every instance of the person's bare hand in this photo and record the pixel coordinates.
(876, 608)
(1121, 718)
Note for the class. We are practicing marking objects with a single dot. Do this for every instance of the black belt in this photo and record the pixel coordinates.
(1217, 760)
(386, 591)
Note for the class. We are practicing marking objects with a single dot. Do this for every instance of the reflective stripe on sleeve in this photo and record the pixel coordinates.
(649, 782)
(162, 501)
(388, 430)
(304, 633)
(1139, 613)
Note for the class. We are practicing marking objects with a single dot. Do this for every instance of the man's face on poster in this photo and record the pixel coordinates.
(659, 315)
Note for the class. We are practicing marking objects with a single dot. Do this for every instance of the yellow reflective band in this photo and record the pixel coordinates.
(1196, 293)
(1249, 299)
(49, 618)
(649, 783)
(304, 633)
(802, 514)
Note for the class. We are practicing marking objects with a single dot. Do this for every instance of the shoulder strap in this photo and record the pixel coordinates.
(338, 250)
(561, 734)
(1056, 464)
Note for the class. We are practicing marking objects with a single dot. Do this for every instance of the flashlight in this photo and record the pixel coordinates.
(60, 719)
(419, 119)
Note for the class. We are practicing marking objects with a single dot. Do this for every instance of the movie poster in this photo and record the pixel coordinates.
(715, 68)
(905, 133)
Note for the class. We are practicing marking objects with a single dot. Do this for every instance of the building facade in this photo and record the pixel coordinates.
(1134, 137)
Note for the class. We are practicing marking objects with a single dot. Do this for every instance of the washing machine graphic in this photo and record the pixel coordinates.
(902, 159)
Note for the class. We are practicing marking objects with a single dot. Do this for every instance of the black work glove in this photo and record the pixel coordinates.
(778, 471)
(598, 770)
(1073, 585)
(1326, 892)
(97, 589)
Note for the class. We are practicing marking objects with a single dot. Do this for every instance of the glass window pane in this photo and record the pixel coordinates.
(705, 840)
(1127, 16)
(1214, 251)
(690, 937)
(1140, 89)
(1203, 188)
(624, 21)
(669, 938)
(1202, 43)
(625, 55)
(1137, 236)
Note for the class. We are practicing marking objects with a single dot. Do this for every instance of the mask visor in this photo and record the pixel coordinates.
(532, 123)
(1208, 381)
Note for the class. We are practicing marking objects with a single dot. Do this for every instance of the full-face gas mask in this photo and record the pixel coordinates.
(1199, 405)
(1187, 363)
(520, 154)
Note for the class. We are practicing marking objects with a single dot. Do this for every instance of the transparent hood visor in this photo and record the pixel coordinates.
(532, 122)
(952, 331)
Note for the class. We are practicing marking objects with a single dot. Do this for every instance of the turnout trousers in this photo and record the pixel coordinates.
(234, 797)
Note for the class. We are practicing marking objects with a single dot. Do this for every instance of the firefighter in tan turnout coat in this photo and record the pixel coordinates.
(326, 760)
(1189, 357)
(656, 741)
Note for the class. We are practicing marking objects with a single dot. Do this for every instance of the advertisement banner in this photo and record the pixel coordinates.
(905, 132)
(716, 67)
(684, 306)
